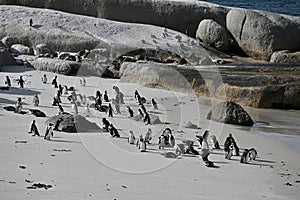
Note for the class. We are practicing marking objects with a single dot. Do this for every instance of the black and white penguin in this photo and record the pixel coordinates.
(34, 129)
(54, 82)
(245, 156)
(130, 111)
(131, 138)
(113, 131)
(154, 104)
(105, 96)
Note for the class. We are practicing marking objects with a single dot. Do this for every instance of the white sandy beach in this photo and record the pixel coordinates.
(95, 166)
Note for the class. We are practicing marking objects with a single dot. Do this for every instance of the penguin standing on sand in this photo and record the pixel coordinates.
(18, 108)
(215, 142)
(66, 90)
(148, 136)
(105, 124)
(131, 138)
(141, 144)
(60, 110)
(105, 96)
(154, 104)
(147, 118)
(245, 156)
(113, 131)
(229, 152)
(54, 82)
(110, 111)
(44, 79)
(82, 82)
(36, 100)
(7, 81)
(130, 112)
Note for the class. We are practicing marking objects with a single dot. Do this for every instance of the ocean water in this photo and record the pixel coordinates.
(289, 7)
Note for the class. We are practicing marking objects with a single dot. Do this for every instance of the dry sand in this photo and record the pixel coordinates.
(95, 166)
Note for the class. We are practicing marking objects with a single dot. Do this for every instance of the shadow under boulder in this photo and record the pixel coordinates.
(230, 113)
(72, 123)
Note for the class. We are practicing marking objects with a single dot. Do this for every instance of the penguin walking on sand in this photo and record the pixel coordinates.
(49, 131)
(36, 100)
(131, 138)
(34, 129)
(21, 82)
(229, 152)
(141, 144)
(44, 79)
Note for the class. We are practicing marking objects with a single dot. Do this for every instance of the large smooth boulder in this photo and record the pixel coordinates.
(285, 57)
(73, 123)
(54, 65)
(171, 77)
(43, 49)
(22, 49)
(153, 119)
(215, 35)
(6, 58)
(230, 113)
(183, 16)
(259, 34)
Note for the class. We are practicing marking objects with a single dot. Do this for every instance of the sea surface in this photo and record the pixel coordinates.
(289, 7)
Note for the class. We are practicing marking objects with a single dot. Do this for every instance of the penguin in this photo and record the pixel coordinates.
(60, 110)
(36, 100)
(154, 104)
(130, 112)
(49, 131)
(147, 118)
(54, 82)
(215, 142)
(105, 96)
(82, 82)
(162, 142)
(113, 131)
(110, 111)
(245, 156)
(142, 144)
(21, 82)
(131, 138)
(7, 81)
(105, 124)
(252, 154)
(44, 79)
(141, 113)
(18, 107)
(229, 152)
(148, 136)
(66, 90)
(34, 129)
